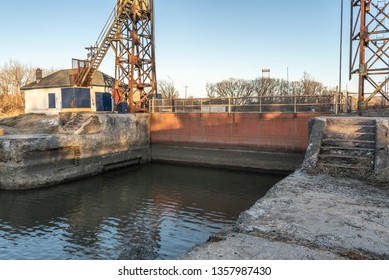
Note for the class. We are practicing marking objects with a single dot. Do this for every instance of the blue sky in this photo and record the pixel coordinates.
(197, 41)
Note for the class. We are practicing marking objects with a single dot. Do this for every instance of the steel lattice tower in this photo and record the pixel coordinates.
(129, 31)
(369, 44)
(133, 45)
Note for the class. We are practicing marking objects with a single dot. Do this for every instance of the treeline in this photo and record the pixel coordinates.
(266, 87)
(13, 76)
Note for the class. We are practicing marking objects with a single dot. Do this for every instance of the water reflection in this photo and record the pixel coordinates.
(155, 211)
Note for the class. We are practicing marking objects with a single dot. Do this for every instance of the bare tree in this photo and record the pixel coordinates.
(211, 90)
(311, 87)
(49, 71)
(266, 86)
(14, 75)
(167, 90)
(239, 89)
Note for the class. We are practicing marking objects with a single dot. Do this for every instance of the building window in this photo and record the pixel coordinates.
(76, 98)
(103, 101)
(51, 100)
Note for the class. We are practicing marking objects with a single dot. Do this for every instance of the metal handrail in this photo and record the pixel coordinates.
(101, 45)
(333, 103)
(106, 27)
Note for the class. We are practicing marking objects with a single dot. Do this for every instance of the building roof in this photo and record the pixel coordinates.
(63, 78)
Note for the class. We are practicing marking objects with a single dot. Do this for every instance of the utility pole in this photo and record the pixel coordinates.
(341, 47)
(287, 78)
(186, 91)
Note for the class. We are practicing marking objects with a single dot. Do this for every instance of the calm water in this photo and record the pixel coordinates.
(155, 211)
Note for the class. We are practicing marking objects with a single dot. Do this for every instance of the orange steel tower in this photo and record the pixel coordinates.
(369, 44)
(129, 31)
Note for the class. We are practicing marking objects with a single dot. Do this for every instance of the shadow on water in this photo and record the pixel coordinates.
(155, 211)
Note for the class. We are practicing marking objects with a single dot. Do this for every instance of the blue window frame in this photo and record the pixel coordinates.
(103, 101)
(76, 98)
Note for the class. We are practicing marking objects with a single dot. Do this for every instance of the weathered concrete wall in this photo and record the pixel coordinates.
(269, 142)
(265, 132)
(316, 127)
(92, 144)
(37, 100)
(228, 158)
(382, 145)
(308, 217)
(318, 215)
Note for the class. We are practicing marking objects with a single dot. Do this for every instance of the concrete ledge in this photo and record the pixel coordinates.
(308, 217)
(239, 246)
(92, 145)
(228, 158)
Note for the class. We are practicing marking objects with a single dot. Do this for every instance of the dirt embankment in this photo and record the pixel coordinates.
(30, 124)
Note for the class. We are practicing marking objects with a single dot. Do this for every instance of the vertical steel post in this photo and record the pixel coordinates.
(341, 47)
(369, 48)
(295, 104)
(362, 52)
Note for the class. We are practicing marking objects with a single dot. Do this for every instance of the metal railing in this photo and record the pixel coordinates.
(333, 103)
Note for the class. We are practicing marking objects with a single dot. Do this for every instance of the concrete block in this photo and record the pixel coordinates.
(100, 142)
(316, 133)
(382, 146)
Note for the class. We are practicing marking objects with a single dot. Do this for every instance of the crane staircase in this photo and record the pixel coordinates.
(85, 69)
(348, 146)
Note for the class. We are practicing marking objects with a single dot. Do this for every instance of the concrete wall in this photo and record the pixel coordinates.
(101, 142)
(272, 142)
(265, 132)
(37, 100)
(88, 144)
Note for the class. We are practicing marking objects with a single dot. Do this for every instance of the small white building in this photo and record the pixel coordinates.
(56, 93)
